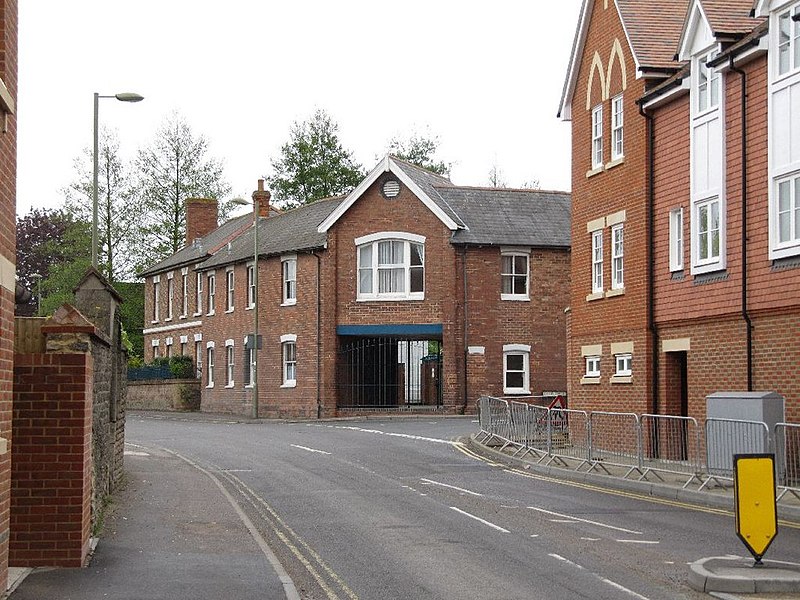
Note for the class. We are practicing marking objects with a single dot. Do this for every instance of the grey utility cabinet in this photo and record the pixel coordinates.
(740, 423)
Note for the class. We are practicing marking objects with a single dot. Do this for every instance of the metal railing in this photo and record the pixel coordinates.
(787, 451)
(639, 445)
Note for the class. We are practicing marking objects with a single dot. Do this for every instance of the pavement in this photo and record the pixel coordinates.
(171, 533)
(174, 532)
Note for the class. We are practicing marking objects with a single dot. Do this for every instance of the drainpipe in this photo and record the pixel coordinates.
(651, 320)
(466, 323)
(745, 314)
(319, 341)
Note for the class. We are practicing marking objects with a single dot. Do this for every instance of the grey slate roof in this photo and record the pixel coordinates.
(429, 182)
(510, 217)
(202, 248)
(485, 216)
(292, 231)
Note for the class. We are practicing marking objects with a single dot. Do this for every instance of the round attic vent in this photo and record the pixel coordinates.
(391, 188)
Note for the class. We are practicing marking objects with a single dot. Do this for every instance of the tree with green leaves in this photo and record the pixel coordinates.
(41, 244)
(420, 150)
(175, 166)
(68, 266)
(118, 218)
(313, 164)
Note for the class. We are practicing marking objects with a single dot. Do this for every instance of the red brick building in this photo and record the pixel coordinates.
(8, 203)
(410, 292)
(683, 124)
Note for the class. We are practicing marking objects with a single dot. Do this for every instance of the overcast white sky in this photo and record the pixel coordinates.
(486, 77)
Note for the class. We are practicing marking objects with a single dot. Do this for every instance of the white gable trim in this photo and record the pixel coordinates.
(386, 165)
(565, 111)
(697, 34)
(567, 95)
(764, 7)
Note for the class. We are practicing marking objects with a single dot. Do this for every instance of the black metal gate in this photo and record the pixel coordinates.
(386, 373)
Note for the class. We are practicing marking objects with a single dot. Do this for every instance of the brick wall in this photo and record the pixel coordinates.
(599, 194)
(169, 394)
(201, 218)
(326, 281)
(8, 169)
(51, 495)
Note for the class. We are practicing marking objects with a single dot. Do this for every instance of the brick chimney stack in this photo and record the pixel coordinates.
(201, 218)
(263, 197)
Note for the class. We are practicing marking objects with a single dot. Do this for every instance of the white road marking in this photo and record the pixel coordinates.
(135, 453)
(534, 535)
(638, 542)
(613, 584)
(307, 449)
(492, 525)
(588, 539)
(563, 521)
(555, 514)
(237, 470)
(452, 487)
(407, 436)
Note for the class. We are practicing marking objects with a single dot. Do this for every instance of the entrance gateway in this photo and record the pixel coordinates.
(385, 367)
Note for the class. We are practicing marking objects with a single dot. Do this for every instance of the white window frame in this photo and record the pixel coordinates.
(374, 268)
(229, 289)
(229, 363)
(617, 127)
(251, 286)
(597, 261)
(513, 275)
(783, 85)
(708, 205)
(289, 279)
(209, 364)
(597, 137)
(792, 212)
(185, 289)
(676, 239)
(156, 298)
(592, 366)
(170, 295)
(623, 363)
(211, 285)
(288, 367)
(247, 365)
(708, 84)
(618, 257)
(793, 65)
(199, 276)
(198, 357)
(524, 351)
(703, 114)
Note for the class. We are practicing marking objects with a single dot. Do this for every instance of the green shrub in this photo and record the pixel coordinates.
(182, 367)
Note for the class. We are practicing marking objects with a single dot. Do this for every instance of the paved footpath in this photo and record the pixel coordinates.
(172, 534)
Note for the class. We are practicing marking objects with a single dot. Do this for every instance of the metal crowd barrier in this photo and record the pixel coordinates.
(647, 445)
(787, 451)
(671, 444)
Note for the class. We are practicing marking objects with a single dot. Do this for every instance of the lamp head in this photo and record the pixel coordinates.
(128, 97)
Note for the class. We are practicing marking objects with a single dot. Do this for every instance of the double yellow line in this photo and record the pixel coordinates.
(604, 490)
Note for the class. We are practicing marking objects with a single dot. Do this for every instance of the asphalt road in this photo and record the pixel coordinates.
(396, 508)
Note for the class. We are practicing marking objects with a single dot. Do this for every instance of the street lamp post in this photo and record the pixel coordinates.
(124, 97)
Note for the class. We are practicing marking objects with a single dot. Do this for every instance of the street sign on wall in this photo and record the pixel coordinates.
(756, 506)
